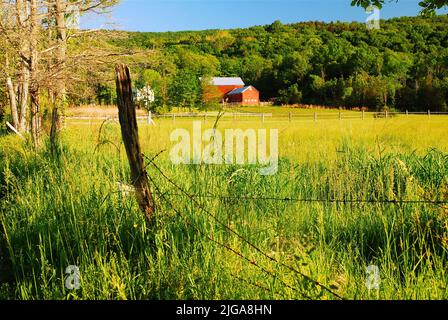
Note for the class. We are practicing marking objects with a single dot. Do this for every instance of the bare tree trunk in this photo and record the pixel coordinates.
(13, 102)
(24, 85)
(53, 131)
(34, 87)
(60, 7)
(2, 112)
(35, 114)
(12, 97)
(61, 34)
(129, 132)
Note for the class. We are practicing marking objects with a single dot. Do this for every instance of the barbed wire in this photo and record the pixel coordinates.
(193, 197)
(253, 246)
(227, 247)
(290, 199)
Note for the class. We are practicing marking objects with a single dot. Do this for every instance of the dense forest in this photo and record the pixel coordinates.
(402, 66)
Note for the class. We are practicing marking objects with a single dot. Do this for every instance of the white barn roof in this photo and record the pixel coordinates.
(235, 81)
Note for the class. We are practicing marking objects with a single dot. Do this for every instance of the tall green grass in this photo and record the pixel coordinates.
(72, 211)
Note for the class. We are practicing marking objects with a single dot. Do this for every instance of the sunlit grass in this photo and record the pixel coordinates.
(56, 213)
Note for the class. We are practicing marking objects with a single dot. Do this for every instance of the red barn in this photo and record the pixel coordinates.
(225, 85)
(246, 96)
(233, 90)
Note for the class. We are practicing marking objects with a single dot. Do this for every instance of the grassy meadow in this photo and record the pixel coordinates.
(73, 210)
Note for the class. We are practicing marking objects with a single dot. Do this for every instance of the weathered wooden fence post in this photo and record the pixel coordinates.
(129, 133)
(315, 116)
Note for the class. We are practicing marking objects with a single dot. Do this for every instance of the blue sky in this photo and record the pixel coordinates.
(175, 15)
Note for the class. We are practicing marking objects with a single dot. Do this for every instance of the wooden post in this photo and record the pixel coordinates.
(429, 113)
(407, 113)
(387, 114)
(33, 66)
(129, 133)
(340, 115)
(315, 116)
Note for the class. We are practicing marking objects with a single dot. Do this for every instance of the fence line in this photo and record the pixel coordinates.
(291, 116)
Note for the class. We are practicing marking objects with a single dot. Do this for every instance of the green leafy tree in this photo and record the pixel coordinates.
(157, 83)
(291, 95)
(200, 64)
(211, 96)
(184, 90)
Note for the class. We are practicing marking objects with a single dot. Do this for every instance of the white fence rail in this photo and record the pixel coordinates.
(316, 116)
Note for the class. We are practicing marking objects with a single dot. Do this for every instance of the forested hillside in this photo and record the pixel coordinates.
(404, 65)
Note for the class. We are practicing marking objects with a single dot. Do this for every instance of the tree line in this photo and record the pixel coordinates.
(402, 66)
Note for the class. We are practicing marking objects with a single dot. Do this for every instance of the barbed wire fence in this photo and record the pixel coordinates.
(230, 230)
(177, 191)
(166, 195)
